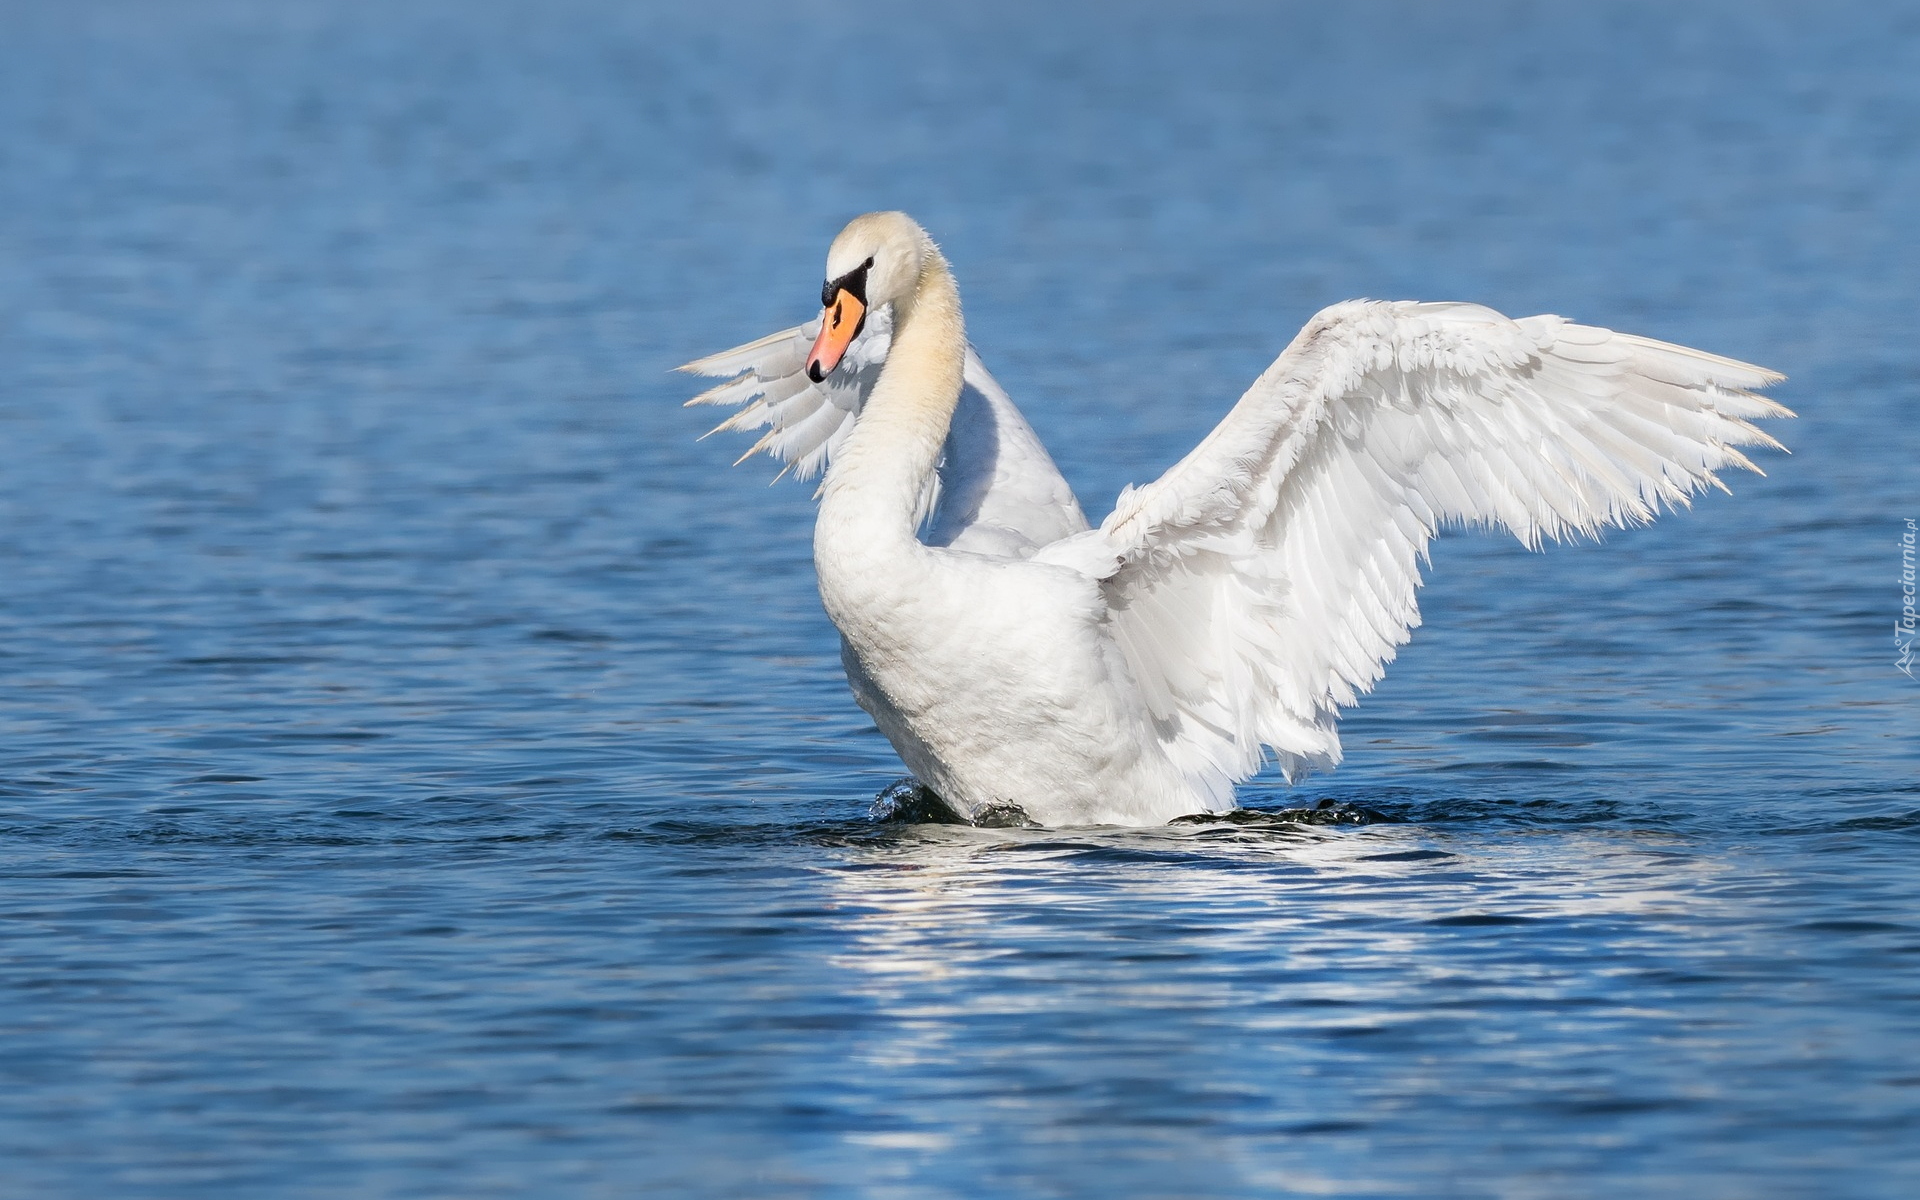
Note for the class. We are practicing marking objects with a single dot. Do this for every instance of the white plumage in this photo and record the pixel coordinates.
(1133, 673)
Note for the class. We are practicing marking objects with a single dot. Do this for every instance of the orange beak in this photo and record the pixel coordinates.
(839, 324)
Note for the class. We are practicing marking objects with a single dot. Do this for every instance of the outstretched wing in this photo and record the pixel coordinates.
(997, 491)
(1267, 578)
(805, 422)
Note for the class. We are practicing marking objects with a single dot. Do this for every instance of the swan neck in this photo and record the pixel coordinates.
(878, 479)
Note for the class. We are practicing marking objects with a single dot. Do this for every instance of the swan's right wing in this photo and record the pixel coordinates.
(998, 492)
(1265, 580)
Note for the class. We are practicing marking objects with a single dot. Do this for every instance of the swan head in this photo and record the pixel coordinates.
(876, 260)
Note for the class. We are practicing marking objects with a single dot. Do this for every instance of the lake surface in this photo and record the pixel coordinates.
(425, 770)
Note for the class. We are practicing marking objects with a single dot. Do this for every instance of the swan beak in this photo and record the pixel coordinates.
(840, 323)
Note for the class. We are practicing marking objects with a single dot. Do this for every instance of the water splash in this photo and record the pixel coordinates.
(910, 802)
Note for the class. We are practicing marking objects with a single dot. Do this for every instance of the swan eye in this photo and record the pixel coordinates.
(854, 281)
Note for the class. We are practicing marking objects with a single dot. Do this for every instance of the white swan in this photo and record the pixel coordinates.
(1133, 673)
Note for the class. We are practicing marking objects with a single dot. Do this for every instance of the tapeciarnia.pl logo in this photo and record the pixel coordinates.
(1903, 629)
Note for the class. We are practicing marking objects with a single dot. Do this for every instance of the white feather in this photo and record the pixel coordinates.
(1379, 424)
(997, 491)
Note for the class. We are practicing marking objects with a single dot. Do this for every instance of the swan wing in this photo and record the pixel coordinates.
(1267, 578)
(805, 422)
(1000, 492)
(997, 491)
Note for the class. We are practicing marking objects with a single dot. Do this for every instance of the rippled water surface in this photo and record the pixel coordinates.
(425, 770)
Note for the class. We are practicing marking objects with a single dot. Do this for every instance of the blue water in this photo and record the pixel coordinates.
(426, 771)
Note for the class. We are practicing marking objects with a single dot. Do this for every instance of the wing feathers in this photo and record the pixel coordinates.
(1299, 524)
(998, 491)
(770, 357)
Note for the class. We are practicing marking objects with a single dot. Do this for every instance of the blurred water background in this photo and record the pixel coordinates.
(426, 771)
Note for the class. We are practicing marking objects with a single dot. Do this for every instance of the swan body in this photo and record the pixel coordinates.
(1133, 673)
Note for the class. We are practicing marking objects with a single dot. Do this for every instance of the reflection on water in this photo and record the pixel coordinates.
(425, 769)
(1305, 993)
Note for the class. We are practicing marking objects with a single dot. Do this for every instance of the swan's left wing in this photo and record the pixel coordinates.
(1265, 580)
(997, 492)
(805, 422)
